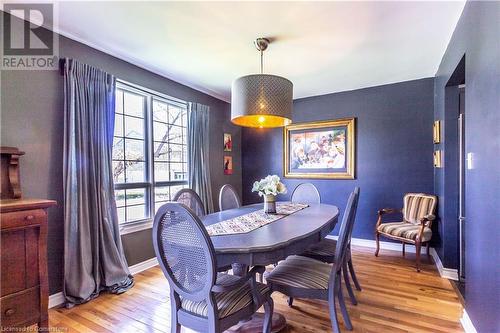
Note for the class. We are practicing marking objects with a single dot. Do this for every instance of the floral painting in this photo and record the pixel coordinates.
(320, 150)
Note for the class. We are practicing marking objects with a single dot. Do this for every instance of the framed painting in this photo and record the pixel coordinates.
(323, 149)
(228, 142)
(228, 165)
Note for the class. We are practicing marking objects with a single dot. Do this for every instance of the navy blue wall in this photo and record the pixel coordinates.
(393, 147)
(477, 37)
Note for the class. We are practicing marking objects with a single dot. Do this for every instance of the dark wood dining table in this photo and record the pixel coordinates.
(269, 244)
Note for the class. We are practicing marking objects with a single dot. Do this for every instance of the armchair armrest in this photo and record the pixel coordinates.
(427, 218)
(217, 288)
(389, 211)
(384, 211)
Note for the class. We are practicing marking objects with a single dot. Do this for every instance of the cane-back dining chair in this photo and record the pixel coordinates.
(201, 299)
(304, 277)
(306, 193)
(418, 214)
(325, 251)
(228, 198)
(191, 199)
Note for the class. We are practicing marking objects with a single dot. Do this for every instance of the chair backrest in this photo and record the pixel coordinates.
(191, 199)
(356, 201)
(184, 251)
(342, 247)
(417, 205)
(306, 193)
(228, 198)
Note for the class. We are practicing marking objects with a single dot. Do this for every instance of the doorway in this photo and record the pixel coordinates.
(454, 215)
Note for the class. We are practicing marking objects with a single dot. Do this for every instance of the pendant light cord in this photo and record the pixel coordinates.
(261, 62)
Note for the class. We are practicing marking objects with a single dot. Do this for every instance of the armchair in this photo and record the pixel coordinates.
(418, 214)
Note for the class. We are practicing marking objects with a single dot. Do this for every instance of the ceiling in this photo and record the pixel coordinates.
(322, 47)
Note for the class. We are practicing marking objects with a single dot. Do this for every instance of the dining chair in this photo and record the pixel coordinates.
(191, 199)
(325, 251)
(228, 198)
(304, 277)
(306, 193)
(418, 213)
(200, 298)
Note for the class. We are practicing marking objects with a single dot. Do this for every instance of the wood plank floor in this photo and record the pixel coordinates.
(395, 298)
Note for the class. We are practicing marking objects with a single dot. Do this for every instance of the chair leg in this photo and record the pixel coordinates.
(333, 310)
(403, 249)
(345, 272)
(174, 307)
(377, 240)
(353, 274)
(417, 250)
(343, 308)
(290, 301)
(268, 316)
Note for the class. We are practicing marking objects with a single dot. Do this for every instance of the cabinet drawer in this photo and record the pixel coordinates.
(20, 308)
(23, 218)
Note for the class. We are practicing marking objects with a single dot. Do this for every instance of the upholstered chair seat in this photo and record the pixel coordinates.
(324, 248)
(301, 272)
(228, 302)
(405, 230)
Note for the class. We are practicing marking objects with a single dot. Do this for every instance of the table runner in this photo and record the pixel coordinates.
(254, 220)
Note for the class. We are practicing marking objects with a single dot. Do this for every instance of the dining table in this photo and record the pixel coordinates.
(269, 244)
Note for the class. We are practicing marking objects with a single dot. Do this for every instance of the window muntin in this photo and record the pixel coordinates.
(149, 152)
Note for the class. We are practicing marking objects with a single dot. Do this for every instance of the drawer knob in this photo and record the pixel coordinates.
(10, 312)
(30, 217)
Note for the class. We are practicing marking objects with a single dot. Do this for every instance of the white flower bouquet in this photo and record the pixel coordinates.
(269, 186)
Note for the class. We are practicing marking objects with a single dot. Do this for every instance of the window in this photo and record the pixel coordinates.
(149, 152)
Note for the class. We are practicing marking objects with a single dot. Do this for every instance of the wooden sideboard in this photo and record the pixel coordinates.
(23, 256)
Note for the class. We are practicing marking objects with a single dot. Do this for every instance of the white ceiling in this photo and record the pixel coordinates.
(322, 47)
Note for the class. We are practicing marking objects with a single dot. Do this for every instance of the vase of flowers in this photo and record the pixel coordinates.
(269, 188)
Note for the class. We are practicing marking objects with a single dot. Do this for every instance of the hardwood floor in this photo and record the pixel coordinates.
(395, 298)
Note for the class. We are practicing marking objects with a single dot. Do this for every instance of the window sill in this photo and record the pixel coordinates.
(136, 227)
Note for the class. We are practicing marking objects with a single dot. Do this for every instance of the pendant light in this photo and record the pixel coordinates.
(261, 100)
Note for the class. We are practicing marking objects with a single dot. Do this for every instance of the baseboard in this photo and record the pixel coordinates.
(58, 298)
(467, 323)
(447, 273)
(142, 266)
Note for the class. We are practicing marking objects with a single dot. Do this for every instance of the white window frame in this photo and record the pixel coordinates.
(149, 184)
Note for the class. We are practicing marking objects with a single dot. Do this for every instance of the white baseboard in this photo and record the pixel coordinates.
(142, 266)
(58, 298)
(447, 273)
(467, 323)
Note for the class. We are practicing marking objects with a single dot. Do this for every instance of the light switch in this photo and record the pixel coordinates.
(470, 161)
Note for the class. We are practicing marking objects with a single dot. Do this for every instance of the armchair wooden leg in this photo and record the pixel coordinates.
(417, 250)
(377, 240)
(403, 249)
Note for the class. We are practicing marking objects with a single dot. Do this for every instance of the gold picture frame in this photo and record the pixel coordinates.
(437, 158)
(436, 130)
(320, 150)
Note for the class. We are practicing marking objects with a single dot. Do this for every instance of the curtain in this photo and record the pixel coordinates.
(93, 254)
(198, 153)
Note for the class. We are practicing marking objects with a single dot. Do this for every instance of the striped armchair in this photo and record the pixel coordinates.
(418, 214)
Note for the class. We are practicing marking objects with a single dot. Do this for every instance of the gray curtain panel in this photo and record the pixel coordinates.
(93, 254)
(198, 153)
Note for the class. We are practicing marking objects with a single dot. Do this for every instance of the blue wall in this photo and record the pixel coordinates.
(477, 37)
(393, 147)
